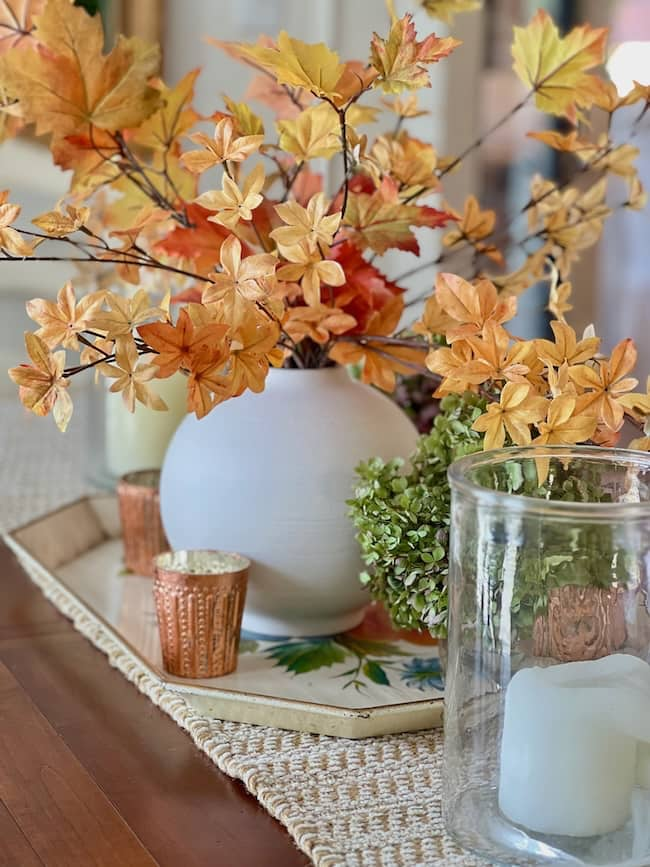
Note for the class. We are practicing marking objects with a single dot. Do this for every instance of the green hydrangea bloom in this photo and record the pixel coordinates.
(402, 518)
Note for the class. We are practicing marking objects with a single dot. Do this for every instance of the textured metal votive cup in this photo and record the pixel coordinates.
(200, 599)
(143, 536)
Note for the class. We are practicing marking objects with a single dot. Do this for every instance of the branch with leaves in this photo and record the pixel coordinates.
(264, 268)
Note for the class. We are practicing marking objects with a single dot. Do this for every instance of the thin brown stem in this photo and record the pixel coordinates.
(479, 141)
(346, 166)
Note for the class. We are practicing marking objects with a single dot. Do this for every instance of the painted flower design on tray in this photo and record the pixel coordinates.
(370, 661)
(423, 673)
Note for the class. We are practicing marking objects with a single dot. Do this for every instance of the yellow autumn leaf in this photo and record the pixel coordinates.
(406, 106)
(241, 282)
(312, 224)
(174, 117)
(555, 67)
(313, 67)
(411, 163)
(56, 224)
(495, 358)
(308, 267)
(449, 362)
(123, 315)
(232, 203)
(518, 408)
(568, 421)
(314, 133)
(445, 10)
(248, 123)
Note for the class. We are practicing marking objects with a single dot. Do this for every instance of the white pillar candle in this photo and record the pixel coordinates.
(571, 739)
(139, 440)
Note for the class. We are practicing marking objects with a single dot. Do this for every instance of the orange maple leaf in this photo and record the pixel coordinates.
(252, 349)
(609, 382)
(567, 348)
(471, 306)
(42, 385)
(178, 345)
(62, 321)
(380, 221)
(317, 322)
(207, 384)
(200, 243)
(399, 59)
(70, 86)
(474, 225)
(381, 361)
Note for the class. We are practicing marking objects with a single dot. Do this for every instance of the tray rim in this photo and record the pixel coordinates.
(369, 721)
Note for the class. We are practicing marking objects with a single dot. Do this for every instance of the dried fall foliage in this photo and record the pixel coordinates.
(265, 267)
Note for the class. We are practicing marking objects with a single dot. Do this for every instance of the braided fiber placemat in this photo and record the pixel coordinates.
(370, 803)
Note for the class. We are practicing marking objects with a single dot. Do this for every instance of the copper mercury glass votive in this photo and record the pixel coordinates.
(200, 599)
(143, 536)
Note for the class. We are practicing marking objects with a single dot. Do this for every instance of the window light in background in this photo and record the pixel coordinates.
(629, 62)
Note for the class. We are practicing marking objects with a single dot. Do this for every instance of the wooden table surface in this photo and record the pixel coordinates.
(92, 773)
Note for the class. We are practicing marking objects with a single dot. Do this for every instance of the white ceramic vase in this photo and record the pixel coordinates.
(267, 475)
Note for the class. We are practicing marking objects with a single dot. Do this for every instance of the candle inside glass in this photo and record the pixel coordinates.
(570, 757)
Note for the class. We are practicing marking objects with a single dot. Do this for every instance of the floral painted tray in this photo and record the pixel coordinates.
(366, 682)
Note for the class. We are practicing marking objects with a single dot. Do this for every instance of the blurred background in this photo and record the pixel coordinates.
(470, 91)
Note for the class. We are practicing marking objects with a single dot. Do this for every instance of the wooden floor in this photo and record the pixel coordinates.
(91, 773)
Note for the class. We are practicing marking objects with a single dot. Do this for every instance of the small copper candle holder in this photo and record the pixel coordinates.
(142, 531)
(200, 599)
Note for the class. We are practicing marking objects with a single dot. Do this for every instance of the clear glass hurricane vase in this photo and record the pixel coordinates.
(547, 706)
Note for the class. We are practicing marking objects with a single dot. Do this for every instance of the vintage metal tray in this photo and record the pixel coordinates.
(370, 681)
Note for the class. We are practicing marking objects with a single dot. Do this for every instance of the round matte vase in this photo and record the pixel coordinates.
(268, 475)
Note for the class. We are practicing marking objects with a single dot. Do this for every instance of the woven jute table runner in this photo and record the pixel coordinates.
(370, 803)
